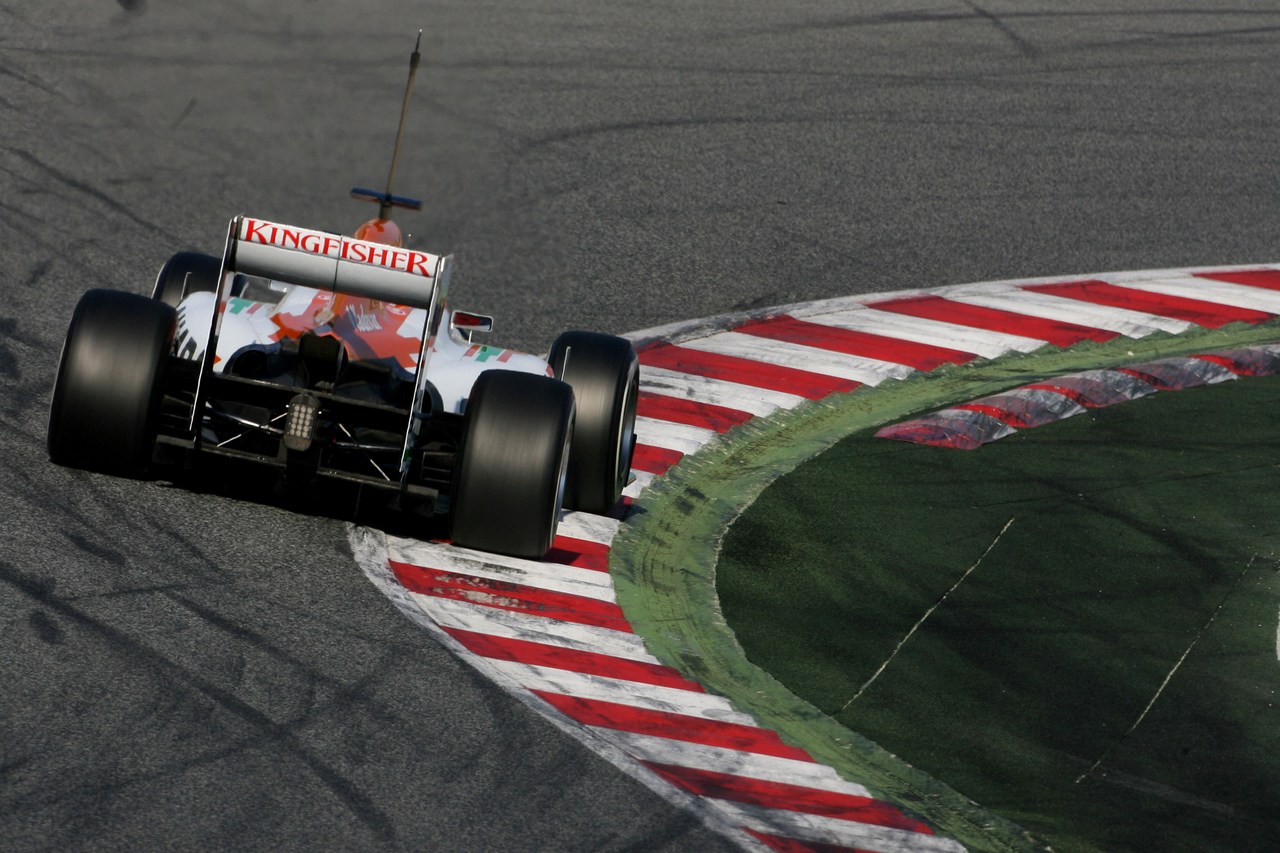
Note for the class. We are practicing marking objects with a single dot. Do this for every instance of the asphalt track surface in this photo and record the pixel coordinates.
(186, 670)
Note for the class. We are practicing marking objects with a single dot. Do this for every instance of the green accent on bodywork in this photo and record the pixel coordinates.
(663, 560)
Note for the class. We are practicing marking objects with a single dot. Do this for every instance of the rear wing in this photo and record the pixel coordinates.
(333, 262)
(340, 264)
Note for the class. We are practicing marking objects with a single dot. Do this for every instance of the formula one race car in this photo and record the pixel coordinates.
(327, 356)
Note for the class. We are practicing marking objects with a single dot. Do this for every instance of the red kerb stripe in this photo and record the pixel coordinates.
(1198, 311)
(1002, 415)
(627, 718)
(655, 460)
(1222, 361)
(557, 657)
(1074, 396)
(505, 595)
(1157, 382)
(744, 371)
(851, 342)
(780, 795)
(679, 410)
(1266, 279)
(1056, 332)
(579, 553)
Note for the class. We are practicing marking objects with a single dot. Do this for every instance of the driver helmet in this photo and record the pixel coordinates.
(380, 231)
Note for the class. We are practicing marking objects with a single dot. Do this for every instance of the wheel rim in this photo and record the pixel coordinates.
(626, 433)
(562, 482)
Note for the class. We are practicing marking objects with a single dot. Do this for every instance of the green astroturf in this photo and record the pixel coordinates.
(1066, 576)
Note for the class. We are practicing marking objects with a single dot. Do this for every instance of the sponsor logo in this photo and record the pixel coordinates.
(185, 344)
(334, 246)
(271, 234)
(364, 321)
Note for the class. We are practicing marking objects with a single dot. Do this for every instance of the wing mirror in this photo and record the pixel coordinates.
(468, 323)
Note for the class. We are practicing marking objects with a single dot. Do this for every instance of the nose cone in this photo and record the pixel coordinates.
(380, 231)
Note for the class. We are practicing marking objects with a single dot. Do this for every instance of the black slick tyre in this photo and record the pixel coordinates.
(605, 376)
(186, 273)
(106, 398)
(510, 479)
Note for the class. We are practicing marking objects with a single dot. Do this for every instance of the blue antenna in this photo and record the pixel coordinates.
(385, 199)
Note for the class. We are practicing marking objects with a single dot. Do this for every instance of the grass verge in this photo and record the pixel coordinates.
(664, 562)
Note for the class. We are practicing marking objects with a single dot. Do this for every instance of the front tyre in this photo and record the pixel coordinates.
(106, 398)
(605, 375)
(515, 454)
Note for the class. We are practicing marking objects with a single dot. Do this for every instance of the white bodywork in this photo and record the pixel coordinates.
(453, 368)
(363, 274)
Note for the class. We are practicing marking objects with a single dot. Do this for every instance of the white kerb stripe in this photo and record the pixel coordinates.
(767, 768)
(1122, 321)
(451, 613)
(717, 392)
(1060, 405)
(1208, 290)
(830, 830)
(951, 335)
(552, 577)
(868, 371)
(634, 693)
(587, 527)
(548, 576)
(643, 480)
(686, 439)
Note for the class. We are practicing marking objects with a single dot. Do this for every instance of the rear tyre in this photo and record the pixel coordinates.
(605, 376)
(106, 398)
(186, 273)
(515, 454)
